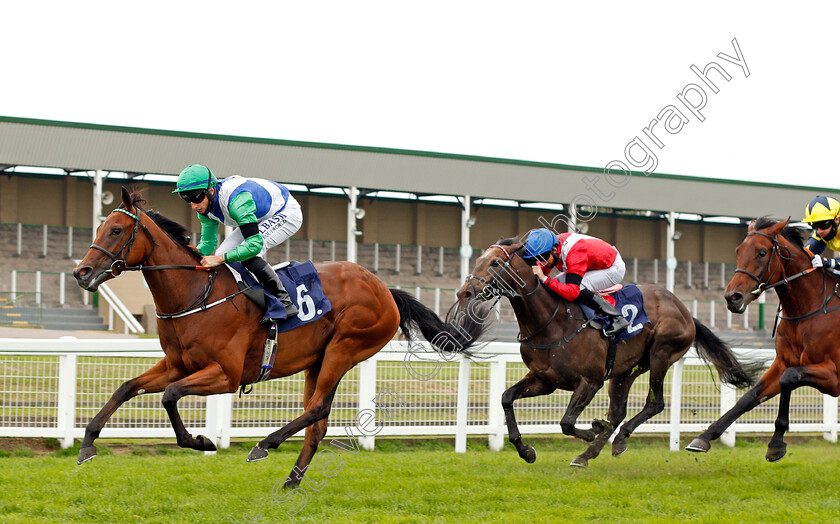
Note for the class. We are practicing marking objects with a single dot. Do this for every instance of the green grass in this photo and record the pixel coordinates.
(425, 481)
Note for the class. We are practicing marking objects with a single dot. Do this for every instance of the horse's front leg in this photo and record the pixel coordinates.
(152, 381)
(766, 388)
(823, 377)
(530, 386)
(211, 380)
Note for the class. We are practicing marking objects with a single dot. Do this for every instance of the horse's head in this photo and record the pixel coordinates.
(761, 260)
(499, 271)
(121, 241)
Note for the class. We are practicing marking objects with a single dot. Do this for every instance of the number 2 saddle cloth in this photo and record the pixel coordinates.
(302, 282)
(630, 302)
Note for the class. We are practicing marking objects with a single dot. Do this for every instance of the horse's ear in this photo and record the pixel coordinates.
(776, 228)
(751, 226)
(126, 199)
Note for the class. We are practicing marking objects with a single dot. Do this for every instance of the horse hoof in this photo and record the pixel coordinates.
(619, 447)
(86, 454)
(699, 445)
(580, 462)
(257, 454)
(529, 454)
(205, 444)
(776, 453)
(291, 484)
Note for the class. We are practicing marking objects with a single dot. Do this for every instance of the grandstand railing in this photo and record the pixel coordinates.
(52, 388)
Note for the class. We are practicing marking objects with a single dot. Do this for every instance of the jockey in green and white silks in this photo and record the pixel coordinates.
(262, 212)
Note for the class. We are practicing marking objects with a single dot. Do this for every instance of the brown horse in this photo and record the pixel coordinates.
(561, 353)
(807, 354)
(218, 349)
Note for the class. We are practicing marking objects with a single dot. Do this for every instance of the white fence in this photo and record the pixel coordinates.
(52, 388)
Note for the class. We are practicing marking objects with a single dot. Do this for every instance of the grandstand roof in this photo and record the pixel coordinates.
(79, 146)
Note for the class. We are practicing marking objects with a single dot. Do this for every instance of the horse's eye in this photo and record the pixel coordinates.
(116, 231)
(496, 262)
(762, 252)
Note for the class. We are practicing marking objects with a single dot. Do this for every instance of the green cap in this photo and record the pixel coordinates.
(195, 176)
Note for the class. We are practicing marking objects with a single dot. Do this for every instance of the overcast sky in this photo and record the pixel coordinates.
(570, 83)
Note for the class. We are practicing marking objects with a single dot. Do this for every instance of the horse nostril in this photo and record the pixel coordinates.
(734, 298)
(81, 272)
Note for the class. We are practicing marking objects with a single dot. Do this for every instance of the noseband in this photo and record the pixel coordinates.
(494, 288)
(118, 264)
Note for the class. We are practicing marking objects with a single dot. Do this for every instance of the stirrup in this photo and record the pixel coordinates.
(617, 324)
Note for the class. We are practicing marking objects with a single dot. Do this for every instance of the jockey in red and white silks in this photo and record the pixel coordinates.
(587, 266)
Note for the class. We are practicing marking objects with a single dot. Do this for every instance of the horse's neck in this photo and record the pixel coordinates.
(175, 289)
(535, 311)
(806, 293)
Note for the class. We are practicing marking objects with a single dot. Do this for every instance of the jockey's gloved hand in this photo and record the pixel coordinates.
(817, 261)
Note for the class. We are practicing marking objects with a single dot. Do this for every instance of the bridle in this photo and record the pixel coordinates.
(118, 258)
(119, 264)
(777, 250)
(492, 288)
(496, 288)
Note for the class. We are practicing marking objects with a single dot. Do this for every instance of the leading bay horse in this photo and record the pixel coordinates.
(220, 347)
(562, 353)
(807, 350)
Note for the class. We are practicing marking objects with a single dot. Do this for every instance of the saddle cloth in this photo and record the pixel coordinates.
(302, 282)
(630, 302)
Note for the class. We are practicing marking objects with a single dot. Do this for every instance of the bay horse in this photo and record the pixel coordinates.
(220, 347)
(561, 353)
(772, 256)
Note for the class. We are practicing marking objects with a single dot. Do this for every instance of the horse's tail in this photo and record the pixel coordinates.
(459, 332)
(715, 351)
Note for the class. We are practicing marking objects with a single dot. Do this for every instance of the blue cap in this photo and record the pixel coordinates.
(539, 242)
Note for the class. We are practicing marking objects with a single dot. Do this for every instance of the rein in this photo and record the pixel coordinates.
(119, 264)
(491, 290)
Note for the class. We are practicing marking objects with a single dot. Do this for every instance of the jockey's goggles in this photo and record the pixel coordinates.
(195, 196)
(823, 224)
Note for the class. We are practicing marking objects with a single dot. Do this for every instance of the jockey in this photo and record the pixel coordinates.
(821, 213)
(263, 212)
(587, 266)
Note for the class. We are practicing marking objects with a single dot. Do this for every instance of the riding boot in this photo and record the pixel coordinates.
(271, 282)
(599, 304)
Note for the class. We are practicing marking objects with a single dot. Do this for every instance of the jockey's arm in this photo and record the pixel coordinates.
(570, 290)
(209, 235)
(816, 246)
(243, 210)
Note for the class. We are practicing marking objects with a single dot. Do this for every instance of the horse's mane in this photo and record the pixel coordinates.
(176, 231)
(795, 235)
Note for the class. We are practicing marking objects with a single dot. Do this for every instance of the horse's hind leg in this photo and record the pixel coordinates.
(530, 386)
(208, 381)
(314, 433)
(153, 380)
(654, 404)
(335, 364)
(619, 389)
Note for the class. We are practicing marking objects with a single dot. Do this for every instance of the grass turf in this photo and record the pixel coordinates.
(425, 481)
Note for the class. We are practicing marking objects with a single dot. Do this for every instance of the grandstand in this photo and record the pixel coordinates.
(418, 209)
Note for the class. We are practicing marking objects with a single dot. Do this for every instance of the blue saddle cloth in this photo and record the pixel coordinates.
(302, 282)
(630, 302)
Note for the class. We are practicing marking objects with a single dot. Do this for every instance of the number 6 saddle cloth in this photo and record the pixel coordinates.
(302, 282)
(631, 303)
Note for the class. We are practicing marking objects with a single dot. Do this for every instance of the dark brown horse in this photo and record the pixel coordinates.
(807, 352)
(561, 353)
(218, 349)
